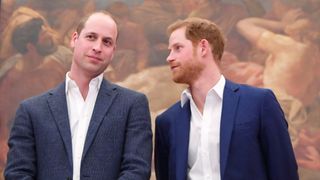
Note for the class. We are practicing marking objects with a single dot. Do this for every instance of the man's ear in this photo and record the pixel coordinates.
(74, 37)
(204, 46)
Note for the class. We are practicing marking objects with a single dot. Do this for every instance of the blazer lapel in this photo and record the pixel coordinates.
(58, 104)
(104, 100)
(229, 107)
(182, 129)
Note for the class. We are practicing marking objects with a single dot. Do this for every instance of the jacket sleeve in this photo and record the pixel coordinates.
(276, 143)
(161, 152)
(136, 161)
(21, 162)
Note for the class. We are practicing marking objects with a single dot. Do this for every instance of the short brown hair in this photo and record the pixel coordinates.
(83, 21)
(198, 29)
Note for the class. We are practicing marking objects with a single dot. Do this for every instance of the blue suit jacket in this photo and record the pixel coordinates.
(118, 143)
(254, 141)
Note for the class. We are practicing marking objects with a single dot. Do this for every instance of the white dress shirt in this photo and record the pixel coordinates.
(80, 112)
(204, 141)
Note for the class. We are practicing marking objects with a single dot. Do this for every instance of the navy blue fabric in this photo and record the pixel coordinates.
(254, 138)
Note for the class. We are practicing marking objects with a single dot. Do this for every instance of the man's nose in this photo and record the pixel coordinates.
(170, 57)
(97, 46)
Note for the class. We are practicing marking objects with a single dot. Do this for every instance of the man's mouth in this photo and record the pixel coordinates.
(94, 57)
(172, 67)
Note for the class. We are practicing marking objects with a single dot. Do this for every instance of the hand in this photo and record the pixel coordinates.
(292, 16)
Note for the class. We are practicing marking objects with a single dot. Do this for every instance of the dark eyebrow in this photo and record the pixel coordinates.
(108, 38)
(90, 33)
(104, 39)
(174, 45)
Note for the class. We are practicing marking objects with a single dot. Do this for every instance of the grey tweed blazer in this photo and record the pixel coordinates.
(118, 143)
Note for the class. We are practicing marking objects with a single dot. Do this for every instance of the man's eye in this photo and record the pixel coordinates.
(90, 37)
(107, 43)
(178, 48)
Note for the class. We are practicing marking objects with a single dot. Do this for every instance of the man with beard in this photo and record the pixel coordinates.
(33, 70)
(219, 129)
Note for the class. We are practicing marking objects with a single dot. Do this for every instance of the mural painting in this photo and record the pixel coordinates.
(272, 44)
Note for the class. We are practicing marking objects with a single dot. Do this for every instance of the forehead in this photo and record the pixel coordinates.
(101, 24)
(178, 36)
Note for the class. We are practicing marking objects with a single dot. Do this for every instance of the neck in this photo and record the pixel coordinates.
(200, 87)
(81, 80)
